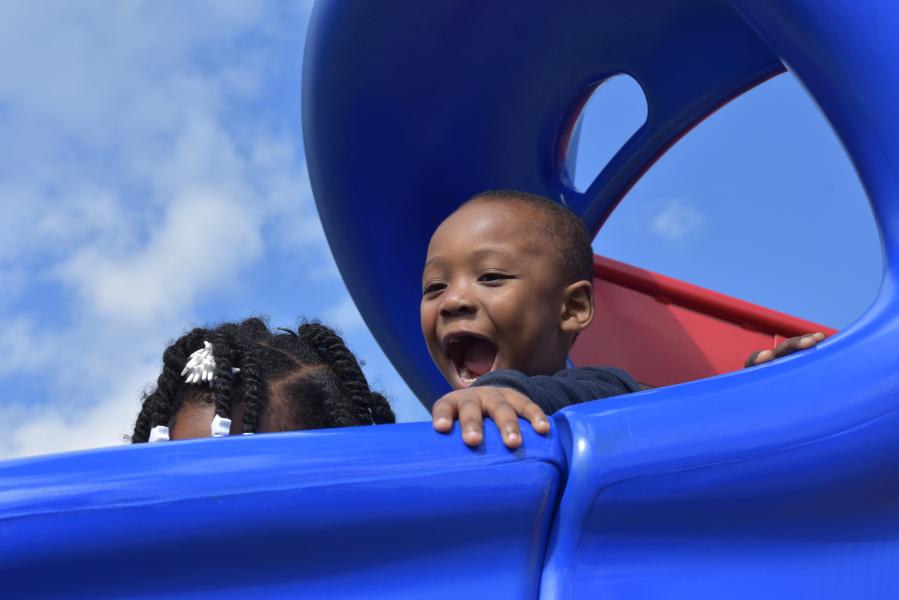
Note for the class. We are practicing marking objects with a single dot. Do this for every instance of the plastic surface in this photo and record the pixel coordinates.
(777, 481)
(390, 511)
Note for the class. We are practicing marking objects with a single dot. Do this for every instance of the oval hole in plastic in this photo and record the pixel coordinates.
(615, 111)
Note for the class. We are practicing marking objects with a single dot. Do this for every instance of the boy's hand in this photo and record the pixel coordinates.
(794, 344)
(503, 405)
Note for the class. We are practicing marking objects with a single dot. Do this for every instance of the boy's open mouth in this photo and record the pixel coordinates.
(471, 356)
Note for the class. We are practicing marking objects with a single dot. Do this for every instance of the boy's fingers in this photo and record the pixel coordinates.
(795, 344)
(811, 339)
(528, 409)
(471, 419)
(536, 416)
(442, 414)
(787, 347)
(759, 357)
(506, 419)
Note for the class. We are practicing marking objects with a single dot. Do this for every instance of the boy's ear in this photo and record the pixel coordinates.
(578, 307)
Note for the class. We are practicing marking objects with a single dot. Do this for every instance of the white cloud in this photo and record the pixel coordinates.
(101, 422)
(676, 221)
(136, 185)
(204, 238)
(22, 350)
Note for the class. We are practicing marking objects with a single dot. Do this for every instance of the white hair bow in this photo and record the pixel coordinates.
(200, 366)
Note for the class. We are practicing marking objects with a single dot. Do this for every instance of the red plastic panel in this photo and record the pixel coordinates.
(664, 331)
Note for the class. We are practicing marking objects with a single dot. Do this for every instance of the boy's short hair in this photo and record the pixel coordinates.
(569, 236)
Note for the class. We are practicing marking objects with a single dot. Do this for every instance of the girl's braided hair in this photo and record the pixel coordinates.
(312, 368)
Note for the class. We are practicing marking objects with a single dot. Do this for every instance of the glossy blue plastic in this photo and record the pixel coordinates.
(379, 511)
(778, 481)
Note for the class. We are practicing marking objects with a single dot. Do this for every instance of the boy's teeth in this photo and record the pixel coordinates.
(466, 375)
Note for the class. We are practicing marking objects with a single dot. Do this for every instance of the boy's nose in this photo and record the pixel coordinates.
(456, 302)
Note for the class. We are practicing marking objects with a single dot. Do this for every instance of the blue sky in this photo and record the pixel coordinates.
(152, 178)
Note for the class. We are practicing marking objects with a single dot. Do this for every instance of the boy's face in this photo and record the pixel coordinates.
(493, 294)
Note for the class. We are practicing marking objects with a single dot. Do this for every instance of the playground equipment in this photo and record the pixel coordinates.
(779, 481)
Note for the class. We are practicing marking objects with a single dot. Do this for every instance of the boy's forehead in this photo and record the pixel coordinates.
(498, 217)
(479, 229)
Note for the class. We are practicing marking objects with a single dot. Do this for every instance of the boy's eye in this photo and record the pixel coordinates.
(493, 277)
(433, 288)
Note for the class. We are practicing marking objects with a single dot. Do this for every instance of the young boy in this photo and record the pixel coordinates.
(507, 287)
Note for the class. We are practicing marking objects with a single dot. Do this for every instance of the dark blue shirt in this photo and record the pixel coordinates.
(571, 386)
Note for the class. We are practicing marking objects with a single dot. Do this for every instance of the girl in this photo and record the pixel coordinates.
(242, 378)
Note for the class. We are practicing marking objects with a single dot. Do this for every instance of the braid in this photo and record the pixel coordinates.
(158, 406)
(255, 391)
(333, 351)
(339, 408)
(380, 409)
(223, 382)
